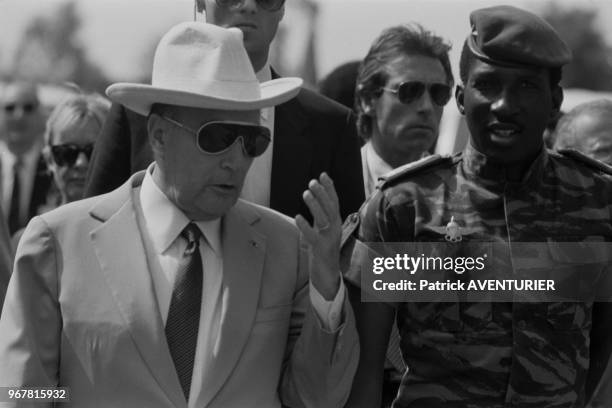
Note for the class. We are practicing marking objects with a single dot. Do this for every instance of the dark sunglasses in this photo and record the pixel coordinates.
(218, 137)
(268, 5)
(408, 92)
(67, 154)
(26, 107)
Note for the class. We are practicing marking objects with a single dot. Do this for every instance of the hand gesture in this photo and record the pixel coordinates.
(324, 235)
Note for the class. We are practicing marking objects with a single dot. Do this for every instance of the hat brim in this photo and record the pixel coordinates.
(140, 97)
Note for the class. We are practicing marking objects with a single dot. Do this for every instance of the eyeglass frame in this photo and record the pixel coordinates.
(89, 147)
(427, 88)
(195, 133)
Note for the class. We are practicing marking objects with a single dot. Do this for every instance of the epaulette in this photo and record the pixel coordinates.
(412, 168)
(589, 161)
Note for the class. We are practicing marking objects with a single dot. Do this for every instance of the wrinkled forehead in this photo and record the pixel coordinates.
(19, 93)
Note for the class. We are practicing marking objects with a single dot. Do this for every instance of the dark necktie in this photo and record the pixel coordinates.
(14, 219)
(184, 315)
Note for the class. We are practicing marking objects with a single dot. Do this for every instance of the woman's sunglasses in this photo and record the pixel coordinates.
(218, 137)
(408, 92)
(67, 154)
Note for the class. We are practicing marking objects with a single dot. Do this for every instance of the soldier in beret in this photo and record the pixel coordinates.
(506, 188)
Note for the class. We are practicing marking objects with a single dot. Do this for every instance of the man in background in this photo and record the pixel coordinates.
(402, 86)
(310, 133)
(24, 179)
(588, 129)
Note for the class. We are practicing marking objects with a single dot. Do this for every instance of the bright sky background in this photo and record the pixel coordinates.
(117, 32)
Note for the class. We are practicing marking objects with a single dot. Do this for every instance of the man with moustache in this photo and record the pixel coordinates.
(505, 189)
(310, 133)
(170, 290)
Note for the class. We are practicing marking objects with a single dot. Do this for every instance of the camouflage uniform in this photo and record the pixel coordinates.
(490, 354)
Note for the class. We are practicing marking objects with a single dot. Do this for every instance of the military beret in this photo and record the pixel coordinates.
(509, 36)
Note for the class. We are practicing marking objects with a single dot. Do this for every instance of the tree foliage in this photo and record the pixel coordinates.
(50, 51)
(591, 67)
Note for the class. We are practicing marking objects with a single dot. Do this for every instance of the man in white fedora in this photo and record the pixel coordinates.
(170, 291)
(310, 133)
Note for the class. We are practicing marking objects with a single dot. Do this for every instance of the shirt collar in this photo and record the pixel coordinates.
(478, 165)
(28, 159)
(378, 167)
(264, 75)
(165, 221)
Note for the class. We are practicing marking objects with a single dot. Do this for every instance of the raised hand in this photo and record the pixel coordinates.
(324, 235)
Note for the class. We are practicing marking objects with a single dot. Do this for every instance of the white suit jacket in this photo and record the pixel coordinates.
(81, 312)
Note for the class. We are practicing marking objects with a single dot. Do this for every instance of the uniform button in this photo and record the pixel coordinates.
(515, 400)
(522, 324)
(334, 316)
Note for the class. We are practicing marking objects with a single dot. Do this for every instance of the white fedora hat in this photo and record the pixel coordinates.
(203, 66)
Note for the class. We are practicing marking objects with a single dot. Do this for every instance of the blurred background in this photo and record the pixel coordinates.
(93, 43)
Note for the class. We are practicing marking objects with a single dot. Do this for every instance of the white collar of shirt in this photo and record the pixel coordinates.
(28, 166)
(377, 167)
(264, 75)
(165, 221)
(29, 157)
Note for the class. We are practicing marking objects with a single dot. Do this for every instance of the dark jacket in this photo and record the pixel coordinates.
(312, 134)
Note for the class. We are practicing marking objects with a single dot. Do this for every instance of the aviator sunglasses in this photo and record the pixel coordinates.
(218, 137)
(408, 92)
(268, 5)
(67, 154)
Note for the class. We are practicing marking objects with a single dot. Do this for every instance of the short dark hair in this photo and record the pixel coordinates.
(466, 59)
(407, 39)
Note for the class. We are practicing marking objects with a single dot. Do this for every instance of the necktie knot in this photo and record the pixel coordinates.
(191, 233)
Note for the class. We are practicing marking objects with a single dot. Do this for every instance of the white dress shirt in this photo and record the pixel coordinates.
(373, 167)
(256, 188)
(163, 223)
(27, 174)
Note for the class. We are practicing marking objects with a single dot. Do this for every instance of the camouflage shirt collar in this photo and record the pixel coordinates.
(478, 166)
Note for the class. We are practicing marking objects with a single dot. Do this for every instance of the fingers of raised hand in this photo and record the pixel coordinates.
(316, 207)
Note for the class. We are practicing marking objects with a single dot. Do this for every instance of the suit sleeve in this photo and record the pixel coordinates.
(6, 258)
(110, 163)
(346, 171)
(30, 326)
(319, 365)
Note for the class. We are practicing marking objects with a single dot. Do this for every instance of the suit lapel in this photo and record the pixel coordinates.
(129, 279)
(243, 259)
(40, 189)
(291, 159)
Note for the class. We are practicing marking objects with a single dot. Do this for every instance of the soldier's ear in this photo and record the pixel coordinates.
(459, 94)
(557, 100)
